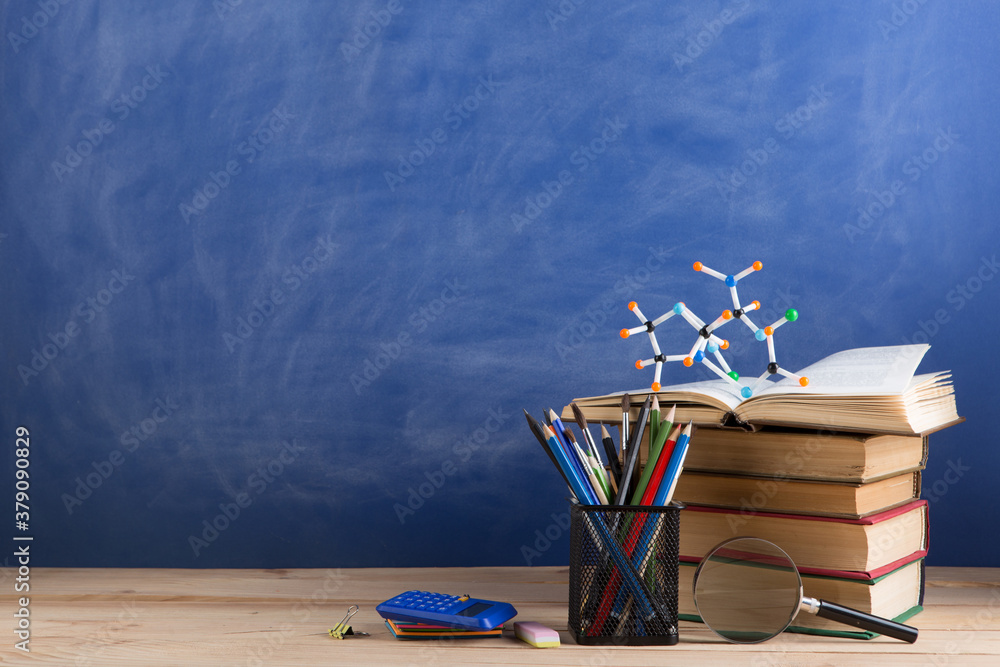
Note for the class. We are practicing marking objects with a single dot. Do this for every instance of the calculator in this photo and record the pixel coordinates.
(456, 611)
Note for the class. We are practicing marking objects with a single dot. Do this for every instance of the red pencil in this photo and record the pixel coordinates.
(661, 465)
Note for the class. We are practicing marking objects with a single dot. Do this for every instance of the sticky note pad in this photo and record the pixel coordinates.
(536, 634)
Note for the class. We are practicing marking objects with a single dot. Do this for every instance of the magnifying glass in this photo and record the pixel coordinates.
(748, 590)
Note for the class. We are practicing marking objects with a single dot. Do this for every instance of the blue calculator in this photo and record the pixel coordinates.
(451, 610)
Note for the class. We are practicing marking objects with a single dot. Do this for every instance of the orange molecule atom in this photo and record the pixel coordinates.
(697, 266)
(688, 361)
(656, 386)
(757, 266)
(804, 381)
(724, 345)
(632, 305)
(768, 331)
(727, 314)
(638, 364)
(756, 305)
(623, 333)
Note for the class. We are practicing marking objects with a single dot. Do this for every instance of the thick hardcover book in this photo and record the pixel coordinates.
(897, 594)
(868, 546)
(782, 453)
(849, 500)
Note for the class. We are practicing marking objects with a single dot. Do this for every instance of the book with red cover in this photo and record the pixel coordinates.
(897, 594)
(865, 548)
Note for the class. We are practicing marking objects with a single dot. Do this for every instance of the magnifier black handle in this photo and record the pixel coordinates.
(859, 619)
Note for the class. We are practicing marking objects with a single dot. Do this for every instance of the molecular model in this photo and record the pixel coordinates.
(708, 342)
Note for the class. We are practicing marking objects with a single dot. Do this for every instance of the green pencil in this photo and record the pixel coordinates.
(655, 447)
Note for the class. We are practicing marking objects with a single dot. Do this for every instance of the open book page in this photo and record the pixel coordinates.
(719, 393)
(861, 372)
(724, 392)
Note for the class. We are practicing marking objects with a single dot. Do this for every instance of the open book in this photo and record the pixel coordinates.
(871, 389)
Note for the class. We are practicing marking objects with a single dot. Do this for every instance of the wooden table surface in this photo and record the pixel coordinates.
(252, 618)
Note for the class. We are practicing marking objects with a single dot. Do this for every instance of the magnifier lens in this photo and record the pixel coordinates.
(747, 590)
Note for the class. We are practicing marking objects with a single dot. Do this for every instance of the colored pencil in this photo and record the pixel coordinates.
(665, 493)
(536, 428)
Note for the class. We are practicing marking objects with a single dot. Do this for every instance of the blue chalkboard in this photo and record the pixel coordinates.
(280, 277)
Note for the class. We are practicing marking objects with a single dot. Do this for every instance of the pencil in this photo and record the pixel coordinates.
(666, 491)
(661, 465)
(560, 430)
(536, 428)
(591, 468)
(580, 488)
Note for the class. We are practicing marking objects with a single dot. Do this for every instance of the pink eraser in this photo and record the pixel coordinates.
(536, 634)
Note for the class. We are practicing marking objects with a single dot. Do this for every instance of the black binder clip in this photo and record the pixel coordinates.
(343, 628)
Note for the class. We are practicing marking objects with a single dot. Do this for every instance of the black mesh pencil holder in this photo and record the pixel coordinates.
(623, 574)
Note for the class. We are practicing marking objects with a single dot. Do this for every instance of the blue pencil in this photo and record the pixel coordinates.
(580, 488)
(560, 432)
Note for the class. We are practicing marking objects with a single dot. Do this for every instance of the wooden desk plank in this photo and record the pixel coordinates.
(252, 618)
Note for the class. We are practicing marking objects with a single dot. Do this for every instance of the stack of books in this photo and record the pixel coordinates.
(830, 473)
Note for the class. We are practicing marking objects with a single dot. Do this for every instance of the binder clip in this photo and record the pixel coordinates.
(343, 628)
